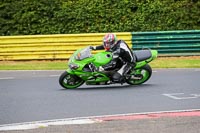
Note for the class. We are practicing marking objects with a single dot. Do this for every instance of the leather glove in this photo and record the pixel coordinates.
(92, 48)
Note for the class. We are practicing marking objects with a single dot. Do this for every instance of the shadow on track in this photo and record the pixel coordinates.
(111, 87)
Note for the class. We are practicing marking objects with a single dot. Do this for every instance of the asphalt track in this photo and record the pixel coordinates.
(27, 96)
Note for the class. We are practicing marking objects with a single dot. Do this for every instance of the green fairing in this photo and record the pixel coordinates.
(98, 59)
(102, 58)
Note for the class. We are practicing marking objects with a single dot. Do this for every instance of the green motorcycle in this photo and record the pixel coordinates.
(83, 68)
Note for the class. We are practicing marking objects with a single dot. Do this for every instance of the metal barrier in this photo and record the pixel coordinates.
(168, 43)
(54, 47)
(49, 47)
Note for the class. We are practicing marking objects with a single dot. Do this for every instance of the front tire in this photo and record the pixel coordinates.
(140, 75)
(69, 81)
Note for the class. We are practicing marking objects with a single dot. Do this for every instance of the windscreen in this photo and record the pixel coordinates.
(83, 54)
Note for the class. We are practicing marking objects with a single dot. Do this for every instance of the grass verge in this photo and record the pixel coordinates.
(176, 62)
(160, 62)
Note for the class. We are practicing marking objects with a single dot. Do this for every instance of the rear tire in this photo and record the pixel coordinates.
(69, 81)
(143, 74)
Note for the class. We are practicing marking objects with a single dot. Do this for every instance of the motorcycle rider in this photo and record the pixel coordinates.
(119, 50)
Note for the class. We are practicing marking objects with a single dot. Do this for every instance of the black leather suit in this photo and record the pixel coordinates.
(119, 51)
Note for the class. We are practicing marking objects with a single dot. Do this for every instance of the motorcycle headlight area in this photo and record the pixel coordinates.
(73, 66)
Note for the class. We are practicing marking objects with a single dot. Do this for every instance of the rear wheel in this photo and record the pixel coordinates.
(140, 75)
(69, 81)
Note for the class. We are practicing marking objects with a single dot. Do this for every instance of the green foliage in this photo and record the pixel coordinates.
(28, 17)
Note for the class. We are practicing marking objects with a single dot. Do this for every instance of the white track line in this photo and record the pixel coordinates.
(5, 78)
(77, 120)
(37, 76)
(42, 124)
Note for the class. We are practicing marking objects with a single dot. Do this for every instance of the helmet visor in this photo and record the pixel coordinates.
(108, 45)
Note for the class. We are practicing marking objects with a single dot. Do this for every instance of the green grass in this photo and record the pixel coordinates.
(33, 65)
(160, 62)
(176, 62)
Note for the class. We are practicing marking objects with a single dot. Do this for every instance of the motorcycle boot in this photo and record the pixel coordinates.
(127, 68)
(119, 76)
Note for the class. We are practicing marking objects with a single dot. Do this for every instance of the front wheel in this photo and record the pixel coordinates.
(69, 81)
(140, 75)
